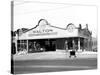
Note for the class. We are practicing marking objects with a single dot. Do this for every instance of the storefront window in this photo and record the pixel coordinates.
(22, 45)
(34, 46)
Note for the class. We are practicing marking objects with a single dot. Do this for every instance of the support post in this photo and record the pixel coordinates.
(66, 45)
(27, 46)
(73, 44)
(16, 43)
(16, 47)
(78, 44)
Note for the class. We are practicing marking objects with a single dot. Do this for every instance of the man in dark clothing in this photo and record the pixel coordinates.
(73, 52)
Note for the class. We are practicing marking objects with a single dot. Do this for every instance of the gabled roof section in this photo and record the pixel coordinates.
(46, 30)
(46, 23)
(42, 23)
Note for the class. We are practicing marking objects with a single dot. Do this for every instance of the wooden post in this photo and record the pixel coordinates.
(16, 47)
(66, 45)
(27, 46)
(78, 44)
(73, 44)
(16, 43)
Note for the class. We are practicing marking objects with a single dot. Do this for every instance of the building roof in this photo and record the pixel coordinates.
(44, 29)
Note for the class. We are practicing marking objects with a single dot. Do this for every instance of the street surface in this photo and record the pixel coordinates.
(55, 61)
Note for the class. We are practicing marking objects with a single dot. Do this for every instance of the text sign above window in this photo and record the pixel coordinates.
(42, 32)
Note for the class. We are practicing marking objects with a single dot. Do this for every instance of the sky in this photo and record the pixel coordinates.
(27, 15)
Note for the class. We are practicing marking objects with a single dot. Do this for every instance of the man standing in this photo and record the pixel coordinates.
(73, 51)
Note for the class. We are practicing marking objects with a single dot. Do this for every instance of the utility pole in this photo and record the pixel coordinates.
(12, 23)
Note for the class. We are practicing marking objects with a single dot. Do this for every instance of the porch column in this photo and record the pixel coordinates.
(16, 43)
(79, 44)
(66, 45)
(73, 44)
(27, 46)
(16, 47)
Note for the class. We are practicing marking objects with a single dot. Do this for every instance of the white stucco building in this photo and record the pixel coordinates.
(45, 37)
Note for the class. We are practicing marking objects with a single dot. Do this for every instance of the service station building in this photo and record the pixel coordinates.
(45, 37)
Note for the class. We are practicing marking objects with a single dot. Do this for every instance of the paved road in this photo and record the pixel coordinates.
(36, 66)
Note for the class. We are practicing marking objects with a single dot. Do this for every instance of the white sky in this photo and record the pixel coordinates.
(27, 15)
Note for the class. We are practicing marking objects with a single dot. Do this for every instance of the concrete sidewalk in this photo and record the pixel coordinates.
(54, 55)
